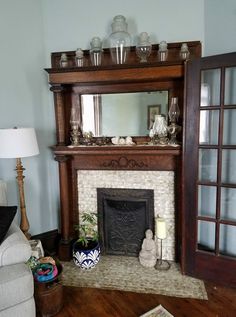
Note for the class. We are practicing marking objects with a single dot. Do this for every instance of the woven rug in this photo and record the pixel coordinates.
(126, 273)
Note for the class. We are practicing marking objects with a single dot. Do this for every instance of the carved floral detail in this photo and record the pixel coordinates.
(123, 162)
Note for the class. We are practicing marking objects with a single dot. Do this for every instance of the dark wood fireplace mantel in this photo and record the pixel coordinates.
(146, 157)
(109, 78)
(136, 158)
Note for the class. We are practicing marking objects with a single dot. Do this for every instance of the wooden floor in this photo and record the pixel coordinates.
(87, 302)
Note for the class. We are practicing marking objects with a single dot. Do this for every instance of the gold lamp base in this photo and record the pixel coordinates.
(24, 223)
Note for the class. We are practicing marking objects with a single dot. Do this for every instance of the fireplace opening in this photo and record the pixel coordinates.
(123, 217)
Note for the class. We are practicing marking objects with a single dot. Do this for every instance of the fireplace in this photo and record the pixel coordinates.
(161, 183)
(123, 217)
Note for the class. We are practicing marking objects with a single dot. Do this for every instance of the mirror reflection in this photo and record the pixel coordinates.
(123, 114)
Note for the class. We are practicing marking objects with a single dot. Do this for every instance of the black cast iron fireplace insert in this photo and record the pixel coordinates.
(123, 217)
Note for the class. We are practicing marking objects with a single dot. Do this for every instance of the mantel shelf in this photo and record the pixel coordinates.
(117, 149)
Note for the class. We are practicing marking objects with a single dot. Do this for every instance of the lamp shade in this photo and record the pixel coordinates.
(18, 143)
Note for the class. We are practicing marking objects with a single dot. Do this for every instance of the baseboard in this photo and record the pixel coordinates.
(49, 240)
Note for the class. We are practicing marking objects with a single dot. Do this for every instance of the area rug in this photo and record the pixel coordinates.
(126, 273)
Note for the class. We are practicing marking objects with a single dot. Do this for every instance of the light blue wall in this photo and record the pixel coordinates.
(31, 29)
(25, 102)
(71, 24)
(220, 27)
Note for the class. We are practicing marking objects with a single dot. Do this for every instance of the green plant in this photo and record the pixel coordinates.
(87, 230)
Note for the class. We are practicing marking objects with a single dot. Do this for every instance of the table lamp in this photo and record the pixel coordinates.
(18, 143)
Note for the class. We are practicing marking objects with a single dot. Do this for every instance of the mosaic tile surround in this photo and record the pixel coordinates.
(162, 182)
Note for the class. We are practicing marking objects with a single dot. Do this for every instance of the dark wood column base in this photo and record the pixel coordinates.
(65, 250)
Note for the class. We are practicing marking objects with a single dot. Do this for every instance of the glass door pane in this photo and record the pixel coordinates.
(210, 87)
(207, 165)
(227, 240)
(230, 86)
(229, 166)
(209, 127)
(207, 201)
(229, 130)
(228, 203)
(206, 236)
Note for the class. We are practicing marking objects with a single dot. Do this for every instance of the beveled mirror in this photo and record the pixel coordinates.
(121, 114)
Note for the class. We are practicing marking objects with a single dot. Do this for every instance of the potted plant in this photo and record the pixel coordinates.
(86, 249)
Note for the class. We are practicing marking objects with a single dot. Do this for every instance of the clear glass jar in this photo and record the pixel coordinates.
(144, 47)
(96, 51)
(79, 57)
(119, 40)
(184, 51)
(64, 60)
(162, 52)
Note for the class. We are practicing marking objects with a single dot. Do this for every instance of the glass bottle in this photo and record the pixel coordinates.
(162, 52)
(96, 51)
(144, 47)
(184, 52)
(79, 57)
(64, 60)
(119, 40)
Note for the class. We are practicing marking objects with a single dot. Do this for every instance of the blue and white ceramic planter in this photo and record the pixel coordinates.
(86, 258)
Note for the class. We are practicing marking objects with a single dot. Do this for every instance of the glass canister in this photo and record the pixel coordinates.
(64, 60)
(144, 47)
(119, 40)
(162, 52)
(79, 57)
(184, 51)
(96, 51)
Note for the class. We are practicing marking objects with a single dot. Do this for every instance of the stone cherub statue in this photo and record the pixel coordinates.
(148, 253)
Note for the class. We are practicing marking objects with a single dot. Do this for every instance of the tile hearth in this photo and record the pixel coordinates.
(126, 273)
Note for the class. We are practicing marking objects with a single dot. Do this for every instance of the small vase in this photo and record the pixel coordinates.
(119, 40)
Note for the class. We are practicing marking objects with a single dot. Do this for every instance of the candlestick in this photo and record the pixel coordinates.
(161, 233)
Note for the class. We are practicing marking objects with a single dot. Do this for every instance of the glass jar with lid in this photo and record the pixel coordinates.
(119, 40)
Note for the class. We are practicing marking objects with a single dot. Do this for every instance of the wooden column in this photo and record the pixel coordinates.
(59, 113)
(64, 251)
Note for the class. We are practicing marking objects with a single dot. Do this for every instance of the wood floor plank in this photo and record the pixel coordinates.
(90, 302)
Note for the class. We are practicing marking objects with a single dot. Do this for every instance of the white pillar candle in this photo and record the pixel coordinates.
(160, 228)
